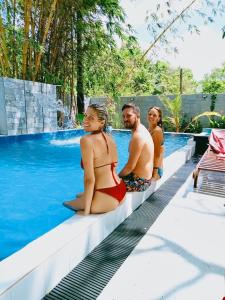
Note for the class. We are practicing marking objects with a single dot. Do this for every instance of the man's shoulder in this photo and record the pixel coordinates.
(141, 134)
(143, 131)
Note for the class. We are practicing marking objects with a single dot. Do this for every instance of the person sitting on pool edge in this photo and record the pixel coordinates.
(103, 189)
(137, 172)
(155, 128)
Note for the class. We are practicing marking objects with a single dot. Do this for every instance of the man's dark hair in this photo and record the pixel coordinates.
(135, 108)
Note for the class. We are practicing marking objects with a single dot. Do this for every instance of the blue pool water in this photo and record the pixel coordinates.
(37, 173)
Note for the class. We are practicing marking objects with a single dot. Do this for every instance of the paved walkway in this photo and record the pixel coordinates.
(179, 251)
(181, 257)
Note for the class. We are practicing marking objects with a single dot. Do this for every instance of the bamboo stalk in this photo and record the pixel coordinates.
(27, 17)
(14, 60)
(168, 27)
(2, 65)
(39, 55)
(4, 49)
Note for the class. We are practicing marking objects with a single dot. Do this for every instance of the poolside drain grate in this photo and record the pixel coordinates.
(212, 183)
(90, 276)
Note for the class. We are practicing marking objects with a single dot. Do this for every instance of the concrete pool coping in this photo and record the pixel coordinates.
(34, 270)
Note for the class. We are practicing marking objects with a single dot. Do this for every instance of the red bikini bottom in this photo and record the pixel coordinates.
(118, 191)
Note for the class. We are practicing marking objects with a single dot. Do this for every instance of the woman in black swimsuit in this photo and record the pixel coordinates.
(103, 189)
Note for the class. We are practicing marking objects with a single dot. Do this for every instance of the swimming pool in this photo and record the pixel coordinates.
(38, 173)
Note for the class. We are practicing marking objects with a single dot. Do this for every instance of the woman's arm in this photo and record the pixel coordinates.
(89, 175)
(157, 140)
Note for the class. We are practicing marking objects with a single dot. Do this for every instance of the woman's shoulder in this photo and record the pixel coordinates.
(90, 137)
(157, 133)
(158, 129)
(85, 140)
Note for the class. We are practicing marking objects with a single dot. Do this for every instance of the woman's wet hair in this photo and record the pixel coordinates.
(135, 108)
(101, 113)
(160, 122)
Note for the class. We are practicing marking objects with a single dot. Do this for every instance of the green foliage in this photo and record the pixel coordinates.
(108, 70)
(167, 80)
(173, 107)
(194, 123)
(176, 120)
(218, 122)
(214, 83)
(114, 119)
(191, 126)
(123, 71)
(168, 126)
(79, 119)
(213, 86)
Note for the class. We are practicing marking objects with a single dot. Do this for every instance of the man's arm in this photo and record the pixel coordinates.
(135, 149)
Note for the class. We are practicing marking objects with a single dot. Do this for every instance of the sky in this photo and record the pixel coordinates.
(200, 53)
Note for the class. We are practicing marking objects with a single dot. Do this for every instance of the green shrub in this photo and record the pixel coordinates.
(218, 122)
(79, 120)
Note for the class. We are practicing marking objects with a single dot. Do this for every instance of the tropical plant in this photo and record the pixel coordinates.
(173, 107)
(196, 118)
(218, 122)
(175, 118)
(193, 127)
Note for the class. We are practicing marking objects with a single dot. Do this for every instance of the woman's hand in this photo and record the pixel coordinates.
(79, 195)
(155, 174)
(82, 213)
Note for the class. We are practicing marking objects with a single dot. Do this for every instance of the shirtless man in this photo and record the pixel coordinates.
(137, 172)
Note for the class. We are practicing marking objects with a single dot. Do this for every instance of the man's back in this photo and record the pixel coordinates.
(142, 141)
(137, 172)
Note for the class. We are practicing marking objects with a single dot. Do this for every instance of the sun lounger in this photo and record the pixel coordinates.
(213, 160)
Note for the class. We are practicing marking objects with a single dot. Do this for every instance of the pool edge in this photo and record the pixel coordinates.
(46, 260)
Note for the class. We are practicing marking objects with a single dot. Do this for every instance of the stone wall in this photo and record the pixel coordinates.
(27, 107)
(192, 105)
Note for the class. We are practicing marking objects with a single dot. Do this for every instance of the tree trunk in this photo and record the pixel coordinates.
(80, 69)
(181, 81)
(27, 19)
(14, 63)
(72, 104)
(4, 50)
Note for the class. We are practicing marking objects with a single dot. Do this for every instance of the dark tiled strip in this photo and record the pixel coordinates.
(89, 277)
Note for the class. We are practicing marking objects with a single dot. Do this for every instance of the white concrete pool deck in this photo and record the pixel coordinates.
(181, 257)
(32, 272)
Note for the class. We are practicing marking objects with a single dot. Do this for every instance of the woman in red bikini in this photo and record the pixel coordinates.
(103, 189)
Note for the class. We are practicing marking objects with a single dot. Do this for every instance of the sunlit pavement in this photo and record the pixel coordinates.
(182, 256)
